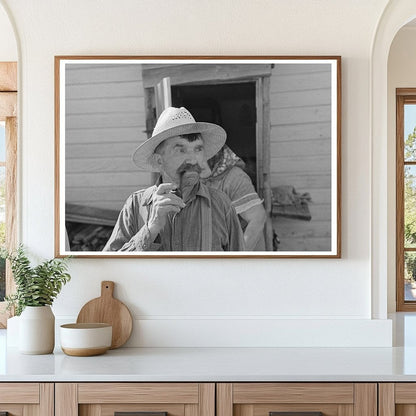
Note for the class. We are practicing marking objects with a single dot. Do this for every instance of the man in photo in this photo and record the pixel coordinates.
(179, 213)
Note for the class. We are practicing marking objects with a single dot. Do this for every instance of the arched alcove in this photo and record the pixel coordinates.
(401, 74)
(395, 16)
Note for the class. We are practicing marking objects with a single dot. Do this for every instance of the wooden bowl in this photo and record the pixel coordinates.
(84, 340)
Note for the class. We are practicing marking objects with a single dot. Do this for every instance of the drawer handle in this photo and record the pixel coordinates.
(139, 414)
(295, 413)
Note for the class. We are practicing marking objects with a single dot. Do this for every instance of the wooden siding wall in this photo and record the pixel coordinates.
(105, 122)
(300, 117)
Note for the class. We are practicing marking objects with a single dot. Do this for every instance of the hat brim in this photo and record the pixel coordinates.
(213, 136)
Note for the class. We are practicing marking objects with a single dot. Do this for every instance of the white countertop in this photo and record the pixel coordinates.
(221, 364)
(215, 364)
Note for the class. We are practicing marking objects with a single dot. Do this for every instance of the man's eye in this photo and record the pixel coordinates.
(199, 149)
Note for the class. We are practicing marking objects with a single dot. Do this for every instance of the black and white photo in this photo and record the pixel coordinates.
(198, 157)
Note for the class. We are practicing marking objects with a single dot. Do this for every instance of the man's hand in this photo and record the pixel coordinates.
(164, 202)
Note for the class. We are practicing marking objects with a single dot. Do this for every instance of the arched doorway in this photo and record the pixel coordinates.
(395, 16)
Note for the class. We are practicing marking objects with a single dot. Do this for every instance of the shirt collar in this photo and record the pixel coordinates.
(147, 195)
(204, 192)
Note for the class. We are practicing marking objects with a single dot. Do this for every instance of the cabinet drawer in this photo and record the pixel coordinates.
(309, 399)
(19, 393)
(138, 393)
(148, 399)
(21, 399)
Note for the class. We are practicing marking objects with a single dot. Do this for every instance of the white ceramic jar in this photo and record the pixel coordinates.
(37, 330)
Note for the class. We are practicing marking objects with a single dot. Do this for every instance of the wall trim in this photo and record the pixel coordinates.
(256, 332)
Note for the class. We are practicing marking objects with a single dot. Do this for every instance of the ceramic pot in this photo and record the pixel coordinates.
(83, 340)
(37, 330)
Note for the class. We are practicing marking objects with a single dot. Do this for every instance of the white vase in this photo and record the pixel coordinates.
(37, 330)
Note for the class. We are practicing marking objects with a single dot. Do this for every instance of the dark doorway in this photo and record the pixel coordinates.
(232, 106)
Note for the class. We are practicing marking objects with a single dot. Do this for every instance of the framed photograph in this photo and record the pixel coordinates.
(198, 156)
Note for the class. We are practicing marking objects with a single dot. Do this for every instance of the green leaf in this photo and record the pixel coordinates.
(35, 286)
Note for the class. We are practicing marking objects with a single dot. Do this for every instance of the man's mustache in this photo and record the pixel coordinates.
(189, 167)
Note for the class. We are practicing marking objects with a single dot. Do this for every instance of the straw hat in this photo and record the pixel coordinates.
(174, 122)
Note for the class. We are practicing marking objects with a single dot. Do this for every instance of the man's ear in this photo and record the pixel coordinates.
(156, 160)
(206, 170)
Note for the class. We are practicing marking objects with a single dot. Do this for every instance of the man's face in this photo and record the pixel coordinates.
(177, 154)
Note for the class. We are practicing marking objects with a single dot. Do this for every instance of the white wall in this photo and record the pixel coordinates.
(8, 46)
(401, 74)
(197, 302)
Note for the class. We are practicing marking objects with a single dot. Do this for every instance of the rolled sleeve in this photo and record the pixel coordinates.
(130, 232)
(239, 188)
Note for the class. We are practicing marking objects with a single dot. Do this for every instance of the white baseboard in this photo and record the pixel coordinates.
(189, 332)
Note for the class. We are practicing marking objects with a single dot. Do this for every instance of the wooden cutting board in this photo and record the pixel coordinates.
(108, 310)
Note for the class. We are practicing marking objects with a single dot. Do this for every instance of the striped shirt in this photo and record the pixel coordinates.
(208, 209)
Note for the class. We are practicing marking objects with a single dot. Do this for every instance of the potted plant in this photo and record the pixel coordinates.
(36, 289)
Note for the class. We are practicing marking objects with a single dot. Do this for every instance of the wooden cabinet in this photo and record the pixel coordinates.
(331, 399)
(105, 399)
(27, 399)
(397, 399)
(230, 399)
(208, 399)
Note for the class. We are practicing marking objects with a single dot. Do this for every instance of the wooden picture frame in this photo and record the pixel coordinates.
(282, 115)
